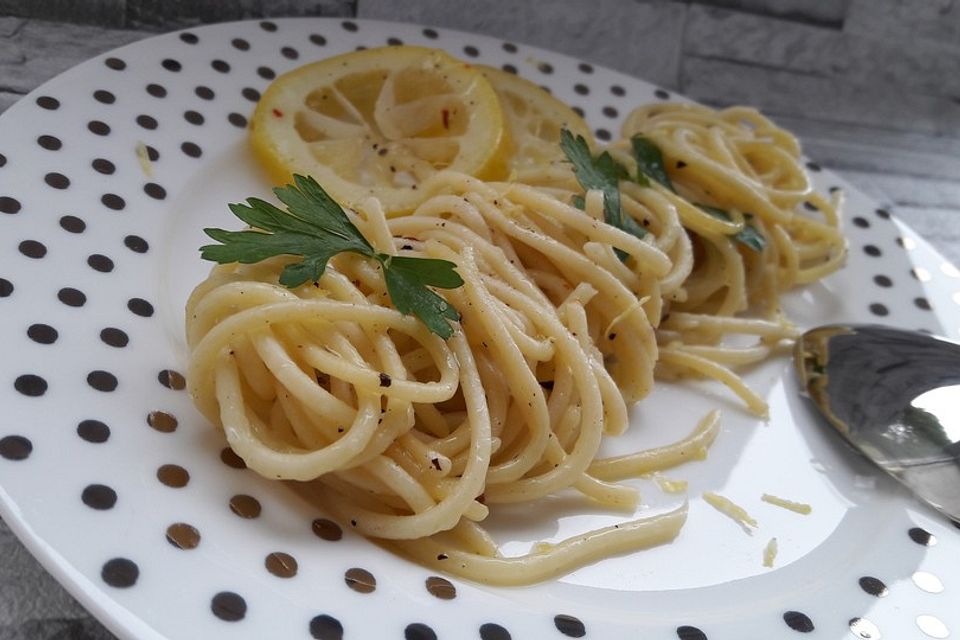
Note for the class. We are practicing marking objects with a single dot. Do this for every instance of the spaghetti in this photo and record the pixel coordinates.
(564, 322)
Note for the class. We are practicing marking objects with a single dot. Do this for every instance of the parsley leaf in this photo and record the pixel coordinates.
(315, 228)
(603, 174)
(407, 280)
(749, 236)
(649, 160)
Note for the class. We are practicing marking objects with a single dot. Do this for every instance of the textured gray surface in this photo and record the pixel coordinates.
(642, 39)
(870, 86)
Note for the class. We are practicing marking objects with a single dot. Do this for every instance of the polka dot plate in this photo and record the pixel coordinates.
(108, 174)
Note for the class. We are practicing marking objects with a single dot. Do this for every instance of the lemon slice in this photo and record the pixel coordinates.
(534, 119)
(377, 122)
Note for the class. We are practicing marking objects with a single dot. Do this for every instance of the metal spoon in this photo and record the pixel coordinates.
(893, 395)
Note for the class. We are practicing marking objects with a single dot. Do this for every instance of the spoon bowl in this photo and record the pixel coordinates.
(893, 395)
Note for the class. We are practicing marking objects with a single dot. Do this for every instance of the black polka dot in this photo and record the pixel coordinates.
(136, 244)
(360, 580)
(6, 288)
(3, 160)
(157, 90)
(471, 51)
(237, 120)
(104, 97)
(102, 380)
(230, 458)
(100, 262)
(509, 47)
(861, 222)
(228, 606)
(155, 191)
(104, 166)
(30, 385)
(114, 337)
(602, 134)
(115, 63)
(569, 626)
(73, 224)
(15, 447)
(152, 154)
(617, 90)
(42, 333)
(49, 103)
(140, 307)
(419, 631)
(172, 379)
(327, 529)
(922, 303)
(687, 632)
(659, 93)
(240, 44)
(289, 53)
(99, 497)
(578, 111)
(872, 250)
(72, 297)
(32, 249)
(545, 67)
(882, 281)
(882, 213)
(193, 117)
(349, 26)
(93, 431)
(922, 537)
(324, 627)
(394, 42)
(56, 180)
(221, 66)
(430, 33)
(798, 621)
(120, 573)
(492, 631)
(440, 588)
(147, 122)
(9, 205)
(879, 309)
(266, 25)
(191, 149)
(205, 93)
(813, 166)
(171, 65)
(113, 201)
(581, 89)
(269, 74)
(610, 112)
(98, 128)
(189, 38)
(509, 68)
(250, 94)
(873, 586)
(162, 421)
(50, 143)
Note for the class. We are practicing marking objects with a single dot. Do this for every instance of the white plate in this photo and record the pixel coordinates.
(869, 560)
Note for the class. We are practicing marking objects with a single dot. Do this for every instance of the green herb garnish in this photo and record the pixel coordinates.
(649, 161)
(749, 236)
(315, 228)
(603, 174)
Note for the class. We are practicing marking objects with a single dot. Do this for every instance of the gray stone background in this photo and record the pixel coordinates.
(872, 88)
